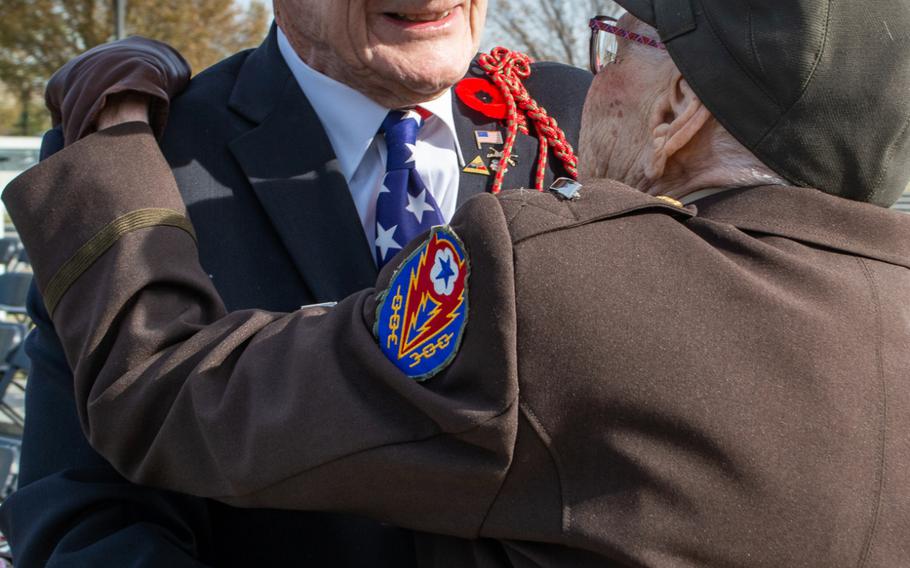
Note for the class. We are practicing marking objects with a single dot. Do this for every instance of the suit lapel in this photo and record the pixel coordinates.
(292, 168)
(469, 121)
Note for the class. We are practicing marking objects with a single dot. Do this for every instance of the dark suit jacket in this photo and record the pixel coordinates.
(639, 384)
(277, 229)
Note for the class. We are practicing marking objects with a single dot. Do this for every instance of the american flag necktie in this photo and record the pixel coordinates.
(405, 207)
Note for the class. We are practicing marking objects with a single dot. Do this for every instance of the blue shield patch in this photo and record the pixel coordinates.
(422, 315)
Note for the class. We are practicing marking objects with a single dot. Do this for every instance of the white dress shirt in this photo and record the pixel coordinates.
(352, 121)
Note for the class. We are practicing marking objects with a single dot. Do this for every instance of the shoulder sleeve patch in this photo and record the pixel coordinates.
(422, 316)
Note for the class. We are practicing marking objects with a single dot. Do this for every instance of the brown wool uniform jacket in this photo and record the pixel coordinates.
(639, 384)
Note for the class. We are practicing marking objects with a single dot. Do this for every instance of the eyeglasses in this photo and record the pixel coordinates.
(605, 36)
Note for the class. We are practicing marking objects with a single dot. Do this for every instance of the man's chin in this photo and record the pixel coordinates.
(432, 87)
(423, 83)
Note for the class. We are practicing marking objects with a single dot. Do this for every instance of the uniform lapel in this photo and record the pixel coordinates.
(292, 168)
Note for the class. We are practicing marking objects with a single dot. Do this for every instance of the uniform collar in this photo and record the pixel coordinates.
(811, 216)
(350, 118)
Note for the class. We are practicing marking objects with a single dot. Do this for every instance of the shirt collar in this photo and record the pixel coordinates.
(442, 109)
(350, 118)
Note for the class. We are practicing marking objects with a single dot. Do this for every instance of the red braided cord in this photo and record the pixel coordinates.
(507, 69)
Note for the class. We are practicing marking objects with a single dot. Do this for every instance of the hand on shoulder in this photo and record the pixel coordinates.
(110, 80)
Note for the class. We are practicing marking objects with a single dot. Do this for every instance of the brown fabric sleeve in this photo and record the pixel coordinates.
(264, 409)
(57, 211)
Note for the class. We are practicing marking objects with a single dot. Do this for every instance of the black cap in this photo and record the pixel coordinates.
(818, 90)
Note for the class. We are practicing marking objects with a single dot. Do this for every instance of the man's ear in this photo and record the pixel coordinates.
(678, 117)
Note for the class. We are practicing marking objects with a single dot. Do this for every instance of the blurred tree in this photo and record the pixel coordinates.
(547, 30)
(38, 36)
(205, 31)
(10, 113)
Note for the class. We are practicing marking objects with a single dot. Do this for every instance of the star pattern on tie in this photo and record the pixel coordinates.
(412, 148)
(385, 240)
(418, 205)
(405, 207)
(412, 115)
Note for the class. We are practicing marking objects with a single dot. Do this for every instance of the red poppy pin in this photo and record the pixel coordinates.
(482, 96)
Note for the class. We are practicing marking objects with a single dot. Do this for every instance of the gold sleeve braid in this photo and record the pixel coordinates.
(104, 240)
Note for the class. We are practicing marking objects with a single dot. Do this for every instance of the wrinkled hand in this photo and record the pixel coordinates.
(123, 107)
(79, 91)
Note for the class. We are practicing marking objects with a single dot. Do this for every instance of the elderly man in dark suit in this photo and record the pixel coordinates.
(277, 156)
(711, 376)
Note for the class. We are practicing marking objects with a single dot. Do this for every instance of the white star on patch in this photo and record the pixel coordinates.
(413, 150)
(418, 205)
(385, 240)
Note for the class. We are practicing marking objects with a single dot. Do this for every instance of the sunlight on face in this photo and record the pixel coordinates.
(398, 52)
(615, 121)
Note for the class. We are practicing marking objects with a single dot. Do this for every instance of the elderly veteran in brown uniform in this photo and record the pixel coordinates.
(574, 378)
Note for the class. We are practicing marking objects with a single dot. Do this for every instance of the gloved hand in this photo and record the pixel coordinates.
(79, 90)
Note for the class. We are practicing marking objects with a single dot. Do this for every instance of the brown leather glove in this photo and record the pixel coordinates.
(79, 90)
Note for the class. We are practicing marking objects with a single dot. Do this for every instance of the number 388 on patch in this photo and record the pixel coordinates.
(422, 315)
